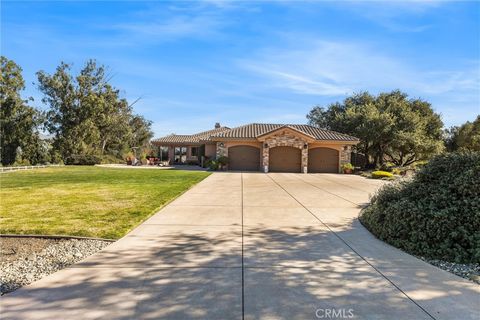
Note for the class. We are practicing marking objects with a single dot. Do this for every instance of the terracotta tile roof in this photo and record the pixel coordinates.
(255, 130)
(190, 138)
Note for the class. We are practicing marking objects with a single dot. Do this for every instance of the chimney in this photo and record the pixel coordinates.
(217, 125)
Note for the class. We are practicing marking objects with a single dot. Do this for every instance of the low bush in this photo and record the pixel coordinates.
(83, 160)
(396, 171)
(205, 161)
(192, 162)
(419, 164)
(109, 159)
(347, 166)
(365, 174)
(381, 174)
(436, 214)
(217, 164)
(387, 166)
(223, 160)
(21, 163)
(212, 165)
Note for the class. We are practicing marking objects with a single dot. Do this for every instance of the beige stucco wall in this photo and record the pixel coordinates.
(210, 150)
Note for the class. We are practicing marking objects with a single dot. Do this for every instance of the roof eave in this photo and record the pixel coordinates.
(173, 144)
(233, 139)
(351, 142)
(264, 136)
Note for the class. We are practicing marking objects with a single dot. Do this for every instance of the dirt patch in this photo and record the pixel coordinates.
(13, 248)
(25, 260)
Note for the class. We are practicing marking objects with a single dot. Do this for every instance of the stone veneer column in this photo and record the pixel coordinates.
(222, 150)
(305, 160)
(345, 155)
(265, 157)
(284, 141)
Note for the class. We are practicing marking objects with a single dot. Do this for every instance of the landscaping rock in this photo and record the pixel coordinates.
(470, 271)
(25, 260)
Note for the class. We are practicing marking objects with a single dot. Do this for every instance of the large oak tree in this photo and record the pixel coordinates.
(390, 126)
(87, 114)
(464, 137)
(18, 121)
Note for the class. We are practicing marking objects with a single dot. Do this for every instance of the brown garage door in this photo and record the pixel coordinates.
(285, 159)
(244, 158)
(323, 160)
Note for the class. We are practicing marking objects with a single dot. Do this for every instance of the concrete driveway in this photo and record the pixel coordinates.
(252, 246)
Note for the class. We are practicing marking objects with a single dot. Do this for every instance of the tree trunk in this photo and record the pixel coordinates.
(366, 150)
(410, 160)
(375, 161)
(104, 143)
(381, 155)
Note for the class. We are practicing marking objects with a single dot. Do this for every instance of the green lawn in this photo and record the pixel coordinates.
(86, 201)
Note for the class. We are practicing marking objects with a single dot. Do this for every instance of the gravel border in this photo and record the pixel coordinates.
(28, 259)
(53, 236)
(469, 271)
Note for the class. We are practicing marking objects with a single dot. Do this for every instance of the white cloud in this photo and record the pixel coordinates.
(300, 83)
(390, 14)
(328, 68)
(172, 28)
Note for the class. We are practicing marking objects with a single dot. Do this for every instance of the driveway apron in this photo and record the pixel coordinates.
(252, 246)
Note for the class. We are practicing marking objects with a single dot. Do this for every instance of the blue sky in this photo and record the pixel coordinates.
(197, 63)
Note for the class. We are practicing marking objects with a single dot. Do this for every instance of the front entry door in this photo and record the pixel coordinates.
(180, 155)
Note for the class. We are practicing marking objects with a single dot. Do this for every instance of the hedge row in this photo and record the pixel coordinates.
(84, 160)
(436, 214)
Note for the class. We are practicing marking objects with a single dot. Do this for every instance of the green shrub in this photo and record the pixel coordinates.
(381, 174)
(21, 163)
(436, 214)
(419, 164)
(56, 157)
(192, 162)
(347, 166)
(396, 171)
(82, 160)
(366, 174)
(206, 160)
(222, 160)
(110, 159)
(212, 165)
(387, 166)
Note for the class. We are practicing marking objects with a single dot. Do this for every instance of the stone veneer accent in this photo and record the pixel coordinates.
(222, 150)
(284, 140)
(345, 155)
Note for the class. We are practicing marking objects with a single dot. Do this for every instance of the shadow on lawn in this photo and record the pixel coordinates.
(192, 273)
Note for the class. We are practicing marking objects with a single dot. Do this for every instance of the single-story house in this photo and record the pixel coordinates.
(263, 147)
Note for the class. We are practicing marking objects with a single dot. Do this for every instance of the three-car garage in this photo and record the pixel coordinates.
(283, 159)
